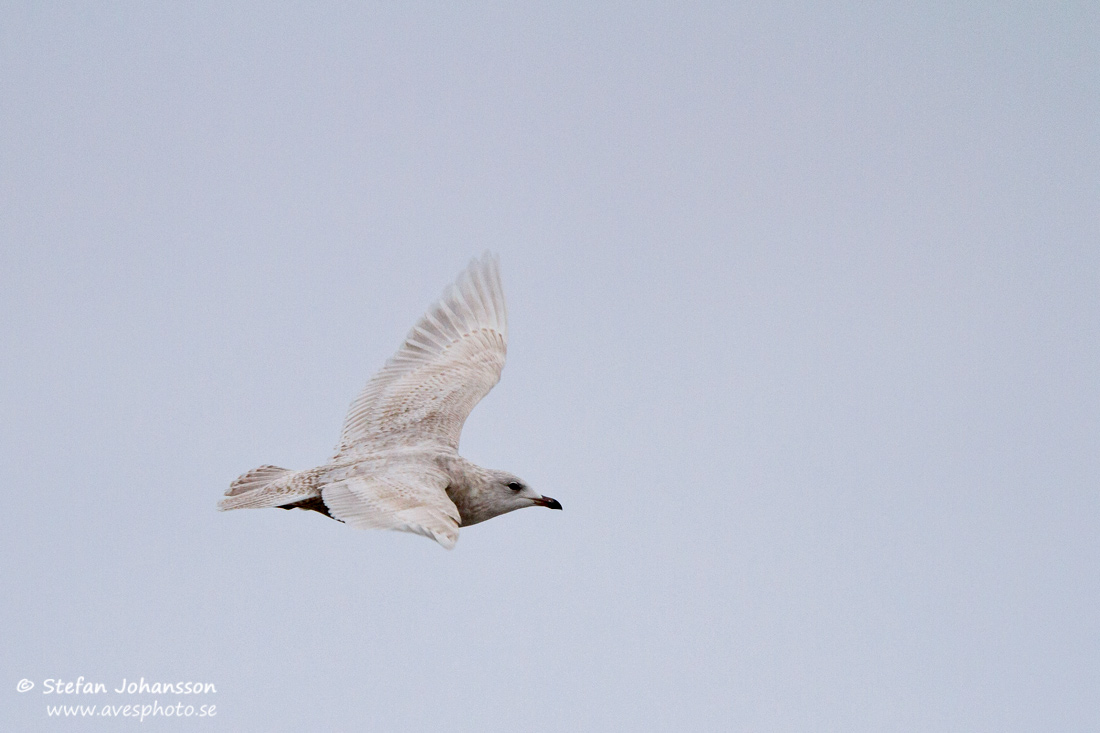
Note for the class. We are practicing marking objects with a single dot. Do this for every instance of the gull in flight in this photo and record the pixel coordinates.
(397, 464)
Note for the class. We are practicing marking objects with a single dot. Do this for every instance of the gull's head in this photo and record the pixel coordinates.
(489, 493)
(510, 492)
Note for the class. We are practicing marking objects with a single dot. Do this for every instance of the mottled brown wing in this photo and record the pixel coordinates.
(451, 359)
(405, 497)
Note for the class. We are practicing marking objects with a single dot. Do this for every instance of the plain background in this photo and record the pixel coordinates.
(804, 336)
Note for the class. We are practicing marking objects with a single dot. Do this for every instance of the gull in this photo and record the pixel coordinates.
(397, 464)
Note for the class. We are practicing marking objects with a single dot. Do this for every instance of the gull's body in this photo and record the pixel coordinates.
(397, 464)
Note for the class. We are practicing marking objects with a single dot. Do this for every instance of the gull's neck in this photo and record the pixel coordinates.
(468, 490)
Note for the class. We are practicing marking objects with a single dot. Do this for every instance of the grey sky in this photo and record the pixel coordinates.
(803, 335)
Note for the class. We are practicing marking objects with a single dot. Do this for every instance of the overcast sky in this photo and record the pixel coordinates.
(804, 311)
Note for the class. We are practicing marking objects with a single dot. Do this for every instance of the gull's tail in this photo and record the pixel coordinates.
(250, 490)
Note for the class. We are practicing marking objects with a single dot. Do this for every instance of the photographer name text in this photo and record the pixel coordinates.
(81, 686)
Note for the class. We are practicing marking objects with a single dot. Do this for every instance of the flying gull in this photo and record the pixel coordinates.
(397, 464)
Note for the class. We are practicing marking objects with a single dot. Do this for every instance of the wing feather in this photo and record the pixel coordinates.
(449, 361)
(408, 498)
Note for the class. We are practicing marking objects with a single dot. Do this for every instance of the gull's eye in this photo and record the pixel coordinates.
(515, 486)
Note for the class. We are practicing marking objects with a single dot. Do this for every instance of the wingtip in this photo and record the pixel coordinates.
(478, 288)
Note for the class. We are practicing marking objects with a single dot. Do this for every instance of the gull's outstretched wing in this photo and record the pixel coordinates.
(450, 360)
(406, 497)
